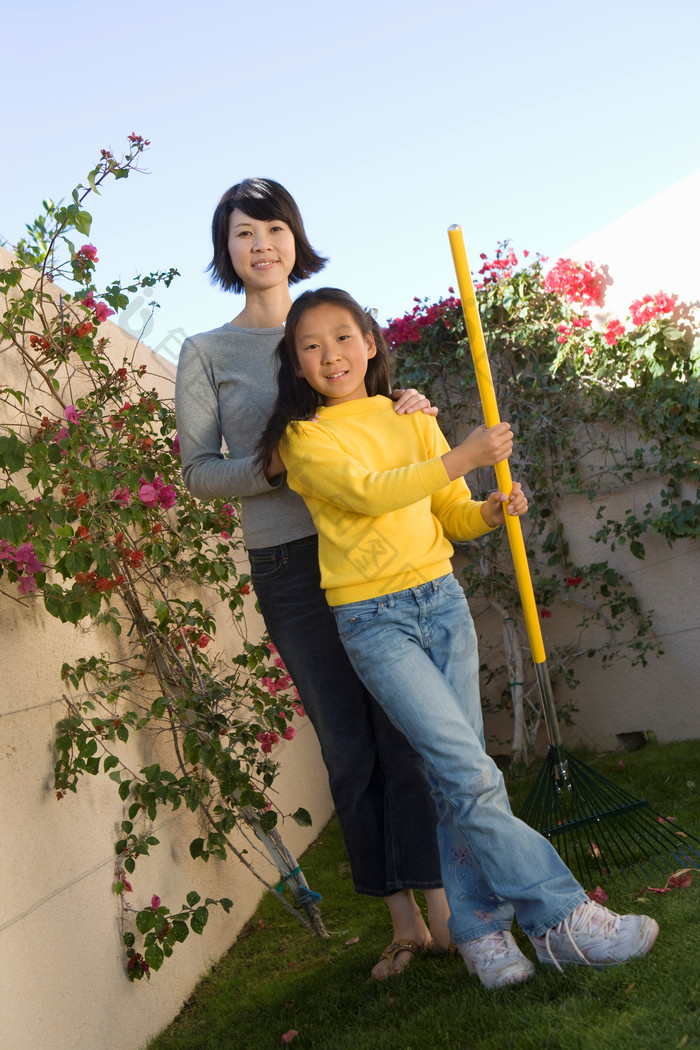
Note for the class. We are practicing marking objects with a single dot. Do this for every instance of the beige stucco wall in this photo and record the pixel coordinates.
(61, 958)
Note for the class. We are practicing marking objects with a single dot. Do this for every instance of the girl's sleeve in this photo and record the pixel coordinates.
(207, 473)
(453, 506)
(318, 467)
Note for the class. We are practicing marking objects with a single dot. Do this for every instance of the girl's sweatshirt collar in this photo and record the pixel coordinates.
(360, 407)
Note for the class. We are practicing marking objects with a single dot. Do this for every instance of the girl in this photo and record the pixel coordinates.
(225, 390)
(385, 492)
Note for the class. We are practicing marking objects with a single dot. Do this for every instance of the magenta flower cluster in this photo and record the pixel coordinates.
(26, 563)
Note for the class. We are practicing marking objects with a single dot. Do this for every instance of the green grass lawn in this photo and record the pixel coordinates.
(279, 977)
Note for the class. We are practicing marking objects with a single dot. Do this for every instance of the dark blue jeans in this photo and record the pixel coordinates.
(377, 780)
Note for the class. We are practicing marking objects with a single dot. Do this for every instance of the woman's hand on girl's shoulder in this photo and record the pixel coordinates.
(410, 401)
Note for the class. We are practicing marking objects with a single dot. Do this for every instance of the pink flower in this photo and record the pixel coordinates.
(122, 495)
(148, 494)
(288, 1036)
(545, 614)
(267, 740)
(225, 535)
(564, 333)
(102, 312)
(89, 251)
(166, 497)
(71, 414)
(157, 493)
(176, 445)
(289, 733)
(26, 585)
(155, 902)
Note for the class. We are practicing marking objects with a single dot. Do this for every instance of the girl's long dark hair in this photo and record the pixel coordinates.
(296, 399)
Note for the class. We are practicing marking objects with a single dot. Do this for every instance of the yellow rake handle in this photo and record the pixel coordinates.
(491, 416)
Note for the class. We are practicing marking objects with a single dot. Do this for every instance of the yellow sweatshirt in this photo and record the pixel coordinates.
(379, 496)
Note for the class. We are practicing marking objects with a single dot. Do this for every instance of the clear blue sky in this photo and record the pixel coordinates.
(539, 122)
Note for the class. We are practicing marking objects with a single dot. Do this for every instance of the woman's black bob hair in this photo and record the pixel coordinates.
(266, 200)
(296, 399)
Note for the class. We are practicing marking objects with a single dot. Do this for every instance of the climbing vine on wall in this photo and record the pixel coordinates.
(96, 524)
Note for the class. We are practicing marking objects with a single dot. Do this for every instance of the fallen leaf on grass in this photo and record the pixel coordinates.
(598, 895)
(353, 940)
(288, 1036)
(629, 987)
(680, 880)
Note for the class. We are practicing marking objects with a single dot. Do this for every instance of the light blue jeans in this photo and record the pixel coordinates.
(416, 652)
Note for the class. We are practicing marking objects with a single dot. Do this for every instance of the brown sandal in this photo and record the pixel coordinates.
(393, 950)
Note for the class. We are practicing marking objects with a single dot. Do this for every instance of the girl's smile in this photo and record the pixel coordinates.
(332, 353)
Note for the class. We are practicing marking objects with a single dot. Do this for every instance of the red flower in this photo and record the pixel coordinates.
(575, 282)
(573, 581)
(545, 614)
(613, 331)
(651, 306)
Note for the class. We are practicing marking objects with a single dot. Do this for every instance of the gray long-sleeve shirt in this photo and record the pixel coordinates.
(225, 390)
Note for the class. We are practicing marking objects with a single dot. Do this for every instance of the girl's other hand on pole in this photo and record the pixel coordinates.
(516, 504)
(410, 401)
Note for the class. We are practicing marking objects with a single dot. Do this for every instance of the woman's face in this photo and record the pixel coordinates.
(262, 251)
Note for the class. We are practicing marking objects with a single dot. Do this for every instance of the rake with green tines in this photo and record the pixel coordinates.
(597, 828)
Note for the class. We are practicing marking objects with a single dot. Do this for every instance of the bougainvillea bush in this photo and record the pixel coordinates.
(598, 403)
(97, 526)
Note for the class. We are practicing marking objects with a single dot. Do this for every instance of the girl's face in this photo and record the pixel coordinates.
(262, 251)
(332, 353)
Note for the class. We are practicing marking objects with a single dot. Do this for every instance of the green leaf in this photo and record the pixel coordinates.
(193, 898)
(196, 848)
(12, 452)
(13, 528)
(82, 221)
(154, 956)
(145, 920)
(302, 817)
(199, 920)
(181, 930)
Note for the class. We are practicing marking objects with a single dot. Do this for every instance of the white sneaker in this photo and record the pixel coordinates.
(594, 936)
(496, 959)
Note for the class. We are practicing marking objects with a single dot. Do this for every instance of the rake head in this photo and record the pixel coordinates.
(599, 830)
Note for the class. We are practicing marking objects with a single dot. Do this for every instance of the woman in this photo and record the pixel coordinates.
(225, 391)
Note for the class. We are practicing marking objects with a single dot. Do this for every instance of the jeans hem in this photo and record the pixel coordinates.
(561, 914)
(482, 931)
(397, 887)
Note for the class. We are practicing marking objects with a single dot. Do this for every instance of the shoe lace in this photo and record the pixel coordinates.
(588, 917)
(494, 945)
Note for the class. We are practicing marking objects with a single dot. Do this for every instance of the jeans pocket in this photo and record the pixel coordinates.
(352, 619)
(267, 563)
